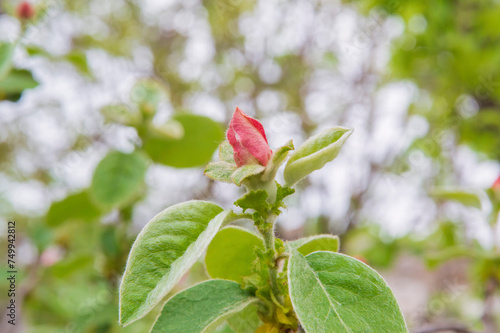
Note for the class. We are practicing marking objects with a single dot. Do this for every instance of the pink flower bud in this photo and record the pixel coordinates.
(25, 11)
(496, 184)
(248, 139)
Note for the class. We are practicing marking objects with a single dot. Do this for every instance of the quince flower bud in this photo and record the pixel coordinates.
(248, 139)
(25, 10)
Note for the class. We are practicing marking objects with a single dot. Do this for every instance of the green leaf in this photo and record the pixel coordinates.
(332, 292)
(316, 243)
(117, 178)
(246, 171)
(198, 308)
(13, 85)
(76, 206)
(231, 253)
(245, 321)
(6, 53)
(465, 198)
(201, 138)
(315, 153)
(220, 171)
(255, 200)
(226, 152)
(163, 252)
(171, 129)
(279, 156)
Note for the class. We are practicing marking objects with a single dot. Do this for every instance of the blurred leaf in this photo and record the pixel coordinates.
(121, 114)
(6, 53)
(201, 138)
(464, 197)
(231, 253)
(148, 93)
(118, 178)
(76, 206)
(13, 85)
(79, 60)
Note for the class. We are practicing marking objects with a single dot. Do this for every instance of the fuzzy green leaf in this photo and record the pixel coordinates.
(332, 292)
(245, 321)
(202, 306)
(164, 251)
(246, 171)
(220, 171)
(117, 178)
(316, 243)
(255, 200)
(226, 152)
(315, 153)
(231, 253)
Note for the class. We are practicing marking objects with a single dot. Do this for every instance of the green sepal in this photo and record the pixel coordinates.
(220, 171)
(226, 152)
(246, 171)
(315, 153)
(279, 156)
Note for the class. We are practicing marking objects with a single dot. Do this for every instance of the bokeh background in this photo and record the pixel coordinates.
(147, 87)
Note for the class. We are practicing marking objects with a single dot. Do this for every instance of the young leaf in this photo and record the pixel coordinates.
(163, 252)
(315, 153)
(246, 171)
(231, 253)
(332, 292)
(255, 200)
(196, 309)
(220, 171)
(316, 243)
(117, 178)
(226, 152)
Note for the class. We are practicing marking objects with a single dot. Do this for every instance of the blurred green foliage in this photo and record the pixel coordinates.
(448, 49)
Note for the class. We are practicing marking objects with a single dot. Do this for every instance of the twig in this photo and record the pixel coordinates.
(444, 328)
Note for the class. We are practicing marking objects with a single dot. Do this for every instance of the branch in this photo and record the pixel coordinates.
(445, 328)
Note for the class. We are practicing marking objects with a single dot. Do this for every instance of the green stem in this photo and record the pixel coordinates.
(268, 235)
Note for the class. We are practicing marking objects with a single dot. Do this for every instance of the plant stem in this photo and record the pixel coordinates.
(268, 235)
